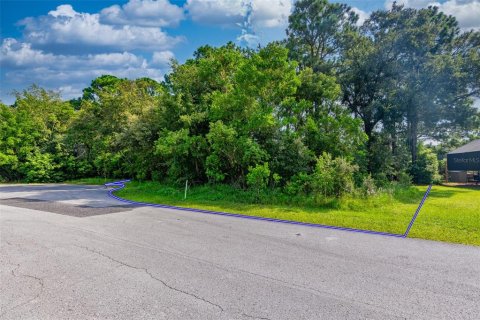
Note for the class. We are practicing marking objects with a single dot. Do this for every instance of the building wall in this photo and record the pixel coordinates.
(468, 161)
(457, 176)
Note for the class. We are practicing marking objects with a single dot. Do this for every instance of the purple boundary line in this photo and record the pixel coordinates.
(118, 185)
(417, 211)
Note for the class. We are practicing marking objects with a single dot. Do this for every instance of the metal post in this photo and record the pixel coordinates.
(186, 186)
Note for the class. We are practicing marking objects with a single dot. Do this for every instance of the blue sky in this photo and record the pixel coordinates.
(63, 45)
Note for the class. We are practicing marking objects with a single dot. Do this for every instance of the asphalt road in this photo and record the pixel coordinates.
(70, 252)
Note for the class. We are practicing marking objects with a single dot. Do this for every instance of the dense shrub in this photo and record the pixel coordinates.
(368, 186)
(40, 168)
(404, 179)
(257, 178)
(425, 169)
(299, 184)
(333, 177)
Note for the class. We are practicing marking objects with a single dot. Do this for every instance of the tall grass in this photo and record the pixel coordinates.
(449, 214)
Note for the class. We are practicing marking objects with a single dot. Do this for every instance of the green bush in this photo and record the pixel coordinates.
(299, 184)
(368, 186)
(333, 177)
(344, 172)
(404, 179)
(425, 169)
(41, 168)
(323, 180)
(257, 178)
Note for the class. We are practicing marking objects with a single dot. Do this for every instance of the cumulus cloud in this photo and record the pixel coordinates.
(223, 12)
(20, 55)
(64, 10)
(270, 14)
(71, 73)
(66, 49)
(17, 54)
(250, 39)
(362, 15)
(467, 12)
(408, 3)
(253, 17)
(162, 58)
(64, 30)
(267, 14)
(145, 13)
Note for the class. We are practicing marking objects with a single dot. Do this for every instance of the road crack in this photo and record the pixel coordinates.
(255, 317)
(39, 281)
(154, 277)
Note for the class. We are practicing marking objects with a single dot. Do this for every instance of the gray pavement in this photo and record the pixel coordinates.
(120, 262)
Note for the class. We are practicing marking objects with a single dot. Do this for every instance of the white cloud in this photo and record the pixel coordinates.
(362, 15)
(145, 13)
(18, 54)
(66, 49)
(70, 92)
(223, 12)
(64, 10)
(250, 39)
(408, 3)
(476, 103)
(467, 12)
(255, 18)
(268, 14)
(25, 65)
(64, 29)
(162, 58)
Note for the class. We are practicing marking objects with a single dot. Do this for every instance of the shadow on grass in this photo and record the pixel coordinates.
(409, 195)
(415, 195)
(442, 193)
(468, 187)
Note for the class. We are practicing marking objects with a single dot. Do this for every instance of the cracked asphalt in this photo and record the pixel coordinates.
(70, 252)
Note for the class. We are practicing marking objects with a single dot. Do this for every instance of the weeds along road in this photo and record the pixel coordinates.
(70, 252)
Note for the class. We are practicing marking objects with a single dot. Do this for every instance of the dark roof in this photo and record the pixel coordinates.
(473, 146)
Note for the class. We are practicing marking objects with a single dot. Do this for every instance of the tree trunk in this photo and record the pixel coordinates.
(369, 132)
(413, 134)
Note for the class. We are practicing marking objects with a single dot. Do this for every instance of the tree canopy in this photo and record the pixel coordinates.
(331, 106)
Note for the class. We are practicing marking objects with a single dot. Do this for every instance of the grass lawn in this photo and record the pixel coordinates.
(90, 181)
(450, 213)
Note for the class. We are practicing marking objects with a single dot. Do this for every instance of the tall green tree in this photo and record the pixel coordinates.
(316, 32)
(10, 140)
(116, 127)
(429, 86)
(31, 136)
(366, 76)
